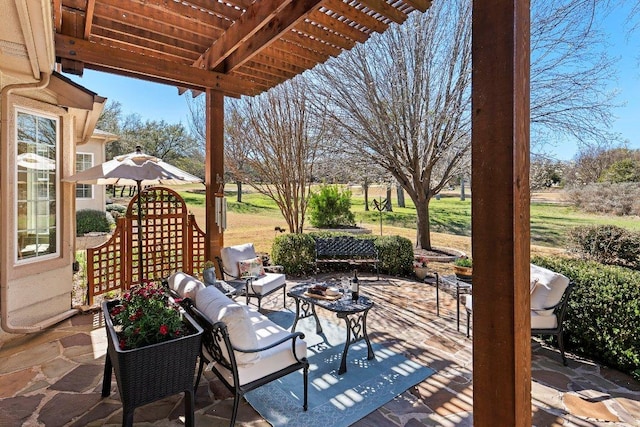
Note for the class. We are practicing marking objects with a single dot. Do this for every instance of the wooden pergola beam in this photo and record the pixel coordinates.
(385, 9)
(134, 65)
(257, 16)
(355, 15)
(500, 213)
(88, 18)
(214, 168)
(254, 31)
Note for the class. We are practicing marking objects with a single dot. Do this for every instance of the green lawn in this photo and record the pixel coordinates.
(450, 215)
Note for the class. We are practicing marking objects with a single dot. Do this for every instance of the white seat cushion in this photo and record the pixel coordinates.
(271, 360)
(467, 303)
(543, 321)
(218, 307)
(549, 288)
(185, 285)
(265, 284)
(232, 255)
(538, 321)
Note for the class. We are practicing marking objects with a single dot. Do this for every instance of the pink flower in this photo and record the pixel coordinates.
(123, 344)
(164, 329)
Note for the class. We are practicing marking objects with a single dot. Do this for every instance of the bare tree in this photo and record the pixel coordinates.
(283, 138)
(403, 102)
(236, 151)
(570, 69)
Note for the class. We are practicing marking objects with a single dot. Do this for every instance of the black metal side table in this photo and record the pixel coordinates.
(462, 288)
(354, 314)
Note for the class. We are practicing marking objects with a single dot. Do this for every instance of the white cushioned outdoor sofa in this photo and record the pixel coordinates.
(241, 346)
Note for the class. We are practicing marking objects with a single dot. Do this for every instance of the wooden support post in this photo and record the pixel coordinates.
(500, 214)
(214, 167)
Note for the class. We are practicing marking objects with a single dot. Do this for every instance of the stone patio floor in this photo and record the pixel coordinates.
(54, 378)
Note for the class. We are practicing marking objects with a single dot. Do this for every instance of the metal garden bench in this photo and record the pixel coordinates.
(346, 249)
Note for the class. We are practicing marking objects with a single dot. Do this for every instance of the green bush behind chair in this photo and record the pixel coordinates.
(603, 316)
(296, 253)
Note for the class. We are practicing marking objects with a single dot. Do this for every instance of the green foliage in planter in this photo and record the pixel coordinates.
(147, 316)
(295, 252)
(607, 244)
(396, 255)
(330, 207)
(464, 262)
(603, 316)
(91, 220)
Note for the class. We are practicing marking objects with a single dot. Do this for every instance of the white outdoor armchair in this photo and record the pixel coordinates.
(550, 293)
(242, 268)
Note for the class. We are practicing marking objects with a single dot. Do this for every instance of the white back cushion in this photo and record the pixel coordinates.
(220, 308)
(548, 290)
(232, 255)
(185, 285)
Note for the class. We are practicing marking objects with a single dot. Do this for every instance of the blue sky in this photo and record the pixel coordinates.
(154, 101)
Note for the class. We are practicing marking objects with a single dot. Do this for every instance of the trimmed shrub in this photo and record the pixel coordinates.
(295, 252)
(603, 315)
(331, 207)
(91, 221)
(607, 244)
(396, 255)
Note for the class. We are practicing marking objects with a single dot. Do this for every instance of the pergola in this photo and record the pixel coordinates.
(245, 47)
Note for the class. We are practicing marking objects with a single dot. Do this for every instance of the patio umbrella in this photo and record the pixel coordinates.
(137, 169)
(35, 161)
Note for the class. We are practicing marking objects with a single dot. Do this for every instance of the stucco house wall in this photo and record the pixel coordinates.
(95, 149)
(35, 291)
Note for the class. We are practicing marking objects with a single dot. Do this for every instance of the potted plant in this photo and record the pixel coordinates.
(463, 268)
(420, 266)
(152, 346)
(209, 272)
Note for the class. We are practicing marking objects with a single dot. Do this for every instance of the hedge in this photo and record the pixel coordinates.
(603, 316)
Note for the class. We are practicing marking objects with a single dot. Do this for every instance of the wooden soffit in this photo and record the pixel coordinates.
(238, 47)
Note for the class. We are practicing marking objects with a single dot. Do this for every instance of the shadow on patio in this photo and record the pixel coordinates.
(54, 378)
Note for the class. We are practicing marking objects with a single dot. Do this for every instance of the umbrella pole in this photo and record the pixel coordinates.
(140, 257)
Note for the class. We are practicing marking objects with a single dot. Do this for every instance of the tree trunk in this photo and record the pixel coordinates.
(365, 190)
(388, 207)
(423, 238)
(462, 196)
(239, 196)
(400, 193)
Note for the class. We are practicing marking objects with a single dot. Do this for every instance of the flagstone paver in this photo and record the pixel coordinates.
(588, 409)
(15, 411)
(66, 406)
(10, 384)
(55, 377)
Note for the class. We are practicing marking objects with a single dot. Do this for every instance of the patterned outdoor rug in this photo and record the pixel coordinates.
(334, 400)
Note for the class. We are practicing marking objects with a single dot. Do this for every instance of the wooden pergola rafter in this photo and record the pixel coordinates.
(246, 47)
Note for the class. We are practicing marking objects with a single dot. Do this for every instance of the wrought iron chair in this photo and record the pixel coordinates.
(256, 284)
(241, 378)
(542, 323)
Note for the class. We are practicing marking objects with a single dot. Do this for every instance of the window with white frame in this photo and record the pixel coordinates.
(84, 161)
(37, 140)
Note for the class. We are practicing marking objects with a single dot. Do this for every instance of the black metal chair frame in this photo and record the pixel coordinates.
(216, 337)
(244, 286)
(559, 310)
